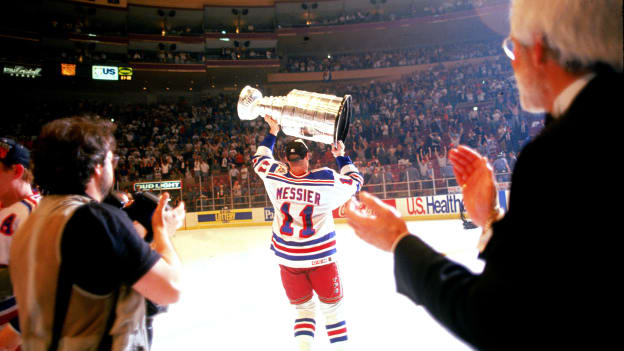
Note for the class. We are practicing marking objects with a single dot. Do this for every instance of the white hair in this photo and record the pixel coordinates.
(583, 32)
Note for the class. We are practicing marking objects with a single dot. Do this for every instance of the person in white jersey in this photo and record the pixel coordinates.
(17, 200)
(304, 237)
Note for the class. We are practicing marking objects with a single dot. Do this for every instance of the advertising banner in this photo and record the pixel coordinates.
(224, 216)
(104, 72)
(125, 73)
(23, 71)
(157, 186)
(269, 214)
(412, 208)
(68, 69)
(431, 205)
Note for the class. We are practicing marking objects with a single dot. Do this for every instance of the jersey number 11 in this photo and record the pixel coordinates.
(305, 214)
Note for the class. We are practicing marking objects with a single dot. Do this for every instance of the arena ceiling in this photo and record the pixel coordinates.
(199, 4)
(142, 16)
(488, 22)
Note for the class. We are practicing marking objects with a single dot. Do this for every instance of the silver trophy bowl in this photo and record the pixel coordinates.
(302, 114)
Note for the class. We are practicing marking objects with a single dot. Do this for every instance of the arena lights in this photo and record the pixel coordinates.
(238, 14)
(164, 25)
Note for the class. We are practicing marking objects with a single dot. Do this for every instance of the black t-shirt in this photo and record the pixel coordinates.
(102, 250)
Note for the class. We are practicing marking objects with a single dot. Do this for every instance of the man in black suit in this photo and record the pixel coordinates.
(550, 275)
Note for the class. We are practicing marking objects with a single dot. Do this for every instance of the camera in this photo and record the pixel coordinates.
(141, 209)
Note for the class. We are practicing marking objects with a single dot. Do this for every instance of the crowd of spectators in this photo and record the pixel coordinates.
(84, 24)
(401, 130)
(410, 124)
(82, 54)
(81, 25)
(164, 55)
(394, 58)
(84, 20)
(433, 8)
(379, 13)
(91, 54)
(169, 55)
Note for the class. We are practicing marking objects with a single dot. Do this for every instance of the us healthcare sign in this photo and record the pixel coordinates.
(440, 205)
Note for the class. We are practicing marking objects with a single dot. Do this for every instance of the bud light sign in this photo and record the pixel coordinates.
(105, 73)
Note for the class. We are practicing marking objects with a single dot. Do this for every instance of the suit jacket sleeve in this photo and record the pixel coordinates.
(457, 298)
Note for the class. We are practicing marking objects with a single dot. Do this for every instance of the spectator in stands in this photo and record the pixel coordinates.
(423, 165)
(244, 174)
(205, 169)
(237, 192)
(234, 172)
(512, 159)
(196, 167)
(375, 181)
(388, 178)
(455, 135)
(501, 168)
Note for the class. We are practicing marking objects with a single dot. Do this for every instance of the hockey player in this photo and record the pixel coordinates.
(18, 200)
(304, 238)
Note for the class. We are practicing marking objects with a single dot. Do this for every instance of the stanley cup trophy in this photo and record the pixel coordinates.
(317, 117)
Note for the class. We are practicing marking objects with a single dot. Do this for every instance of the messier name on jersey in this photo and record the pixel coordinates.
(298, 194)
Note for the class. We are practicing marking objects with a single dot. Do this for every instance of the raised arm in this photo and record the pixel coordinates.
(354, 182)
(264, 154)
(161, 284)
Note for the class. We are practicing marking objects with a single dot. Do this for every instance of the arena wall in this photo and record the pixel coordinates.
(411, 208)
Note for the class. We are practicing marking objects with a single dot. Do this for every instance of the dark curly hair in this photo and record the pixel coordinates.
(68, 150)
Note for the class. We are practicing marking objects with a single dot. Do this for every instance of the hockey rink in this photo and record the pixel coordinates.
(233, 297)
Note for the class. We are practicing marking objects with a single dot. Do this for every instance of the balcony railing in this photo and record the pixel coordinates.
(217, 192)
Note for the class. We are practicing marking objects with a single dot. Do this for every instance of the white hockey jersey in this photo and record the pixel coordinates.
(10, 219)
(303, 225)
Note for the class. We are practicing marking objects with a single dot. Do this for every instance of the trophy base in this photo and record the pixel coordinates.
(343, 121)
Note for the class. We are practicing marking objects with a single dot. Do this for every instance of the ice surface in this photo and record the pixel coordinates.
(233, 297)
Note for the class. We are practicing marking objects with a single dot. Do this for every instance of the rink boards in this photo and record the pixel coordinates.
(412, 208)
